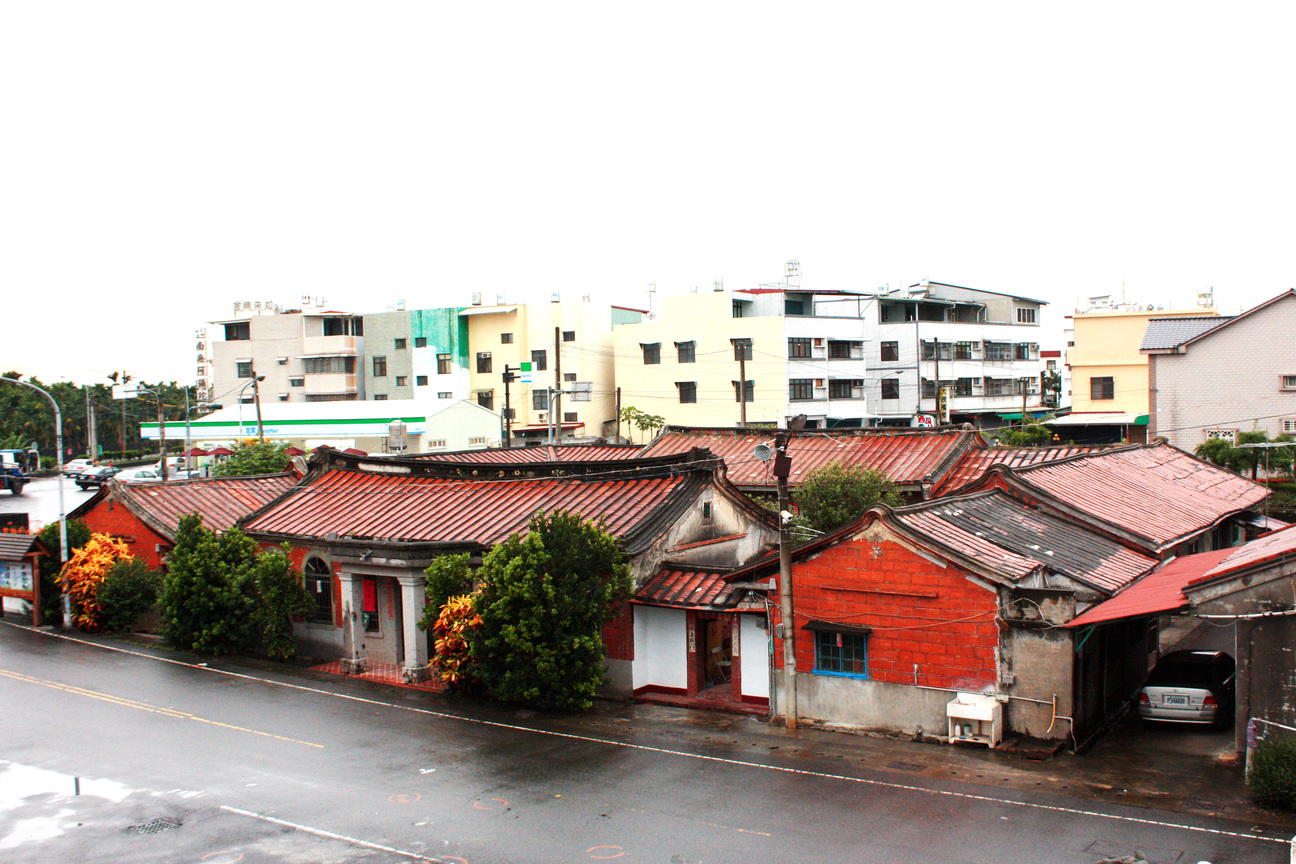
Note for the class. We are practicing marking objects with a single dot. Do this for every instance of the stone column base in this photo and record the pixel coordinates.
(353, 666)
(416, 674)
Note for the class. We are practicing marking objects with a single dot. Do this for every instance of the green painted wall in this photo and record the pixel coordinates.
(444, 330)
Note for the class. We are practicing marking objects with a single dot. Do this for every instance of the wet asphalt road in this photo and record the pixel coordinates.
(274, 767)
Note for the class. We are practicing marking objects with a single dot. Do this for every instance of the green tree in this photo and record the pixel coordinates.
(837, 494)
(1029, 435)
(129, 591)
(1241, 459)
(207, 601)
(254, 458)
(280, 596)
(543, 599)
(641, 420)
(448, 576)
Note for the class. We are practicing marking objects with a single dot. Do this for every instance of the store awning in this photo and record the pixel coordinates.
(1100, 419)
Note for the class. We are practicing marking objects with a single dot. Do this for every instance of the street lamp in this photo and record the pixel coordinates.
(202, 406)
(58, 437)
(256, 379)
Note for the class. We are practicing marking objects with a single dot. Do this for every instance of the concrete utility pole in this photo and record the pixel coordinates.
(256, 395)
(91, 431)
(510, 375)
(742, 382)
(782, 468)
(555, 406)
(936, 356)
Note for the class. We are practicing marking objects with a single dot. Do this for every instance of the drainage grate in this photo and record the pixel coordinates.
(155, 825)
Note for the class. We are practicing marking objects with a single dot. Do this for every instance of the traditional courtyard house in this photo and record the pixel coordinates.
(1247, 586)
(900, 612)
(368, 527)
(1153, 498)
(146, 516)
(915, 460)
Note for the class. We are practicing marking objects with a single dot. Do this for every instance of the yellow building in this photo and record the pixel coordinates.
(566, 344)
(1109, 375)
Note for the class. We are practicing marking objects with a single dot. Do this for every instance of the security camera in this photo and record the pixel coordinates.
(786, 515)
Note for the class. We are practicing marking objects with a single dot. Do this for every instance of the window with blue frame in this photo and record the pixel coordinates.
(841, 653)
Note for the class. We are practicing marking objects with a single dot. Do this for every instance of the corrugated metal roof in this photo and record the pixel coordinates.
(545, 453)
(976, 461)
(14, 546)
(689, 589)
(430, 509)
(1161, 591)
(909, 458)
(1162, 333)
(1258, 551)
(1157, 492)
(221, 501)
(1016, 539)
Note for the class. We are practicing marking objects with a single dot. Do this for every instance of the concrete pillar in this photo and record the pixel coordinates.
(352, 623)
(413, 600)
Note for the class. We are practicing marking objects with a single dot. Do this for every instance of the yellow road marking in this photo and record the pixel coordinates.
(144, 706)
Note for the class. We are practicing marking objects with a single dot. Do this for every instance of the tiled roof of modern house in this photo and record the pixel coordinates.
(908, 458)
(1162, 333)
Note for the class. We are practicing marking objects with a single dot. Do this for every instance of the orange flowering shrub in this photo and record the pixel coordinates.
(82, 575)
(453, 654)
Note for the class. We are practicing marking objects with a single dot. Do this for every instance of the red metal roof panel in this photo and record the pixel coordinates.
(546, 453)
(1159, 591)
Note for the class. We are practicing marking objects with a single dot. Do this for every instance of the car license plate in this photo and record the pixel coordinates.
(1172, 699)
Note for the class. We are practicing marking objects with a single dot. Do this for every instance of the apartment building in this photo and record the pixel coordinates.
(759, 356)
(1109, 373)
(304, 356)
(981, 347)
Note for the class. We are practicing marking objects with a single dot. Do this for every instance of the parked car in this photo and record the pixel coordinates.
(139, 475)
(1190, 687)
(76, 466)
(97, 476)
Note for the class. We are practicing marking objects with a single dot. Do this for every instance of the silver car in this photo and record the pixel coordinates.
(1189, 687)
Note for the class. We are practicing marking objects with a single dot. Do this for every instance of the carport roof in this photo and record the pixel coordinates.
(1159, 591)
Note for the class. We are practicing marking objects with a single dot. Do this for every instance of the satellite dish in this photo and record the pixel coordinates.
(763, 452)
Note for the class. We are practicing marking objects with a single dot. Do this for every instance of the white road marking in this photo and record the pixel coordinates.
(329, 835)
(965, 796)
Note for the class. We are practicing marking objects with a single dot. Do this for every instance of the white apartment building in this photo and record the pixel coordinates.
(981, 346)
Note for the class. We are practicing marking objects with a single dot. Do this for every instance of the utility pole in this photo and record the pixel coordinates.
(91, 432)
(783, 467)
(555, 404)
(256, 394)
(162, 433)
(1024, 389)
(618, 416)
(510, 375)
(936, 356)
(742, 383)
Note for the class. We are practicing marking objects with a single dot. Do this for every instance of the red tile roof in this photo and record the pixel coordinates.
(1259, 551)
(689, 589)
(221, 501)
(1155, 492)
(421, 501)
(974, 462)
(546, 453)
(908, 458)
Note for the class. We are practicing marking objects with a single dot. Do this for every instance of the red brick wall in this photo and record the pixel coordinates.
(932, 616)
(618, 635)
(110, 517)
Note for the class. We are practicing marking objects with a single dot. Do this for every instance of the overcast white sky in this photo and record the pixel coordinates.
(161, 160)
